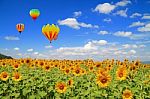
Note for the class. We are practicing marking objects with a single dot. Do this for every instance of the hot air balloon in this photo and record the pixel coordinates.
(34, 13)
(20, 27)
(50, 31)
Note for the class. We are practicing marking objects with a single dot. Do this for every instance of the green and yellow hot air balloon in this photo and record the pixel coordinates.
(50, 31)
(34, 13)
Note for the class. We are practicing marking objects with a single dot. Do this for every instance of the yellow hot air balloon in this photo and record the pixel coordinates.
(50, 31)
(34, 13)
(20, 27)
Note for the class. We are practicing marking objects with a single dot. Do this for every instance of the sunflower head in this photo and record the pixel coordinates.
(127, 94)
(121, 74)
(77, 71)
(103, 80)
(70, 83)
(16, 76)
(60, 87)
(16, 66)
(4, 76)
(47, 68)
(67, 70)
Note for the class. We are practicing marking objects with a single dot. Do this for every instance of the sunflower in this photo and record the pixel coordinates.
(4, 76)
(121, 73)
(67, 70)
(70, 83)
(28, 61)
(16, 76)
(47, 68)
(103, 80)
(91, 68)
(127, 94)
(60, 87)
(16, 66)
(77, 71)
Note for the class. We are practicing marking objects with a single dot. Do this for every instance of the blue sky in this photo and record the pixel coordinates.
(95, 29)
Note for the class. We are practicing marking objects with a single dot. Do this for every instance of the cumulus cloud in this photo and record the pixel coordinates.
(134, 15)
(122, 13)
(139, 36)
(36, 53)
(103, 32)
(107, 20)
(146, 17)
(132, 52)
(130, 46)
(105, 8)
(16, 48)
(123, 3)
(135, 24)
(73, 23)
(77, 14)
(145, 28)
(123, 34)
(11, 38)
(29, 50)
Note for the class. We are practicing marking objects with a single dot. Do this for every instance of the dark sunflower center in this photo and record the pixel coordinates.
(47, 67)
(127, 95)
(17, 76)
(61, 87)
(98, 65)
(77, 71)
(67, 71)
(69, 82)
(27, 61)
(63, 67)
(4, 75)
(120, 74)
(16, 66)
(104, 80)
(91, 68)
(41, 64)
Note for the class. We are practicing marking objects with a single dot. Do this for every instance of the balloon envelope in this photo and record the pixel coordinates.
(20, 27)
(50, 31)
(34, 13)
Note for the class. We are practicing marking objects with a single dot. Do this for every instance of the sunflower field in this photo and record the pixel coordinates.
(74, 79)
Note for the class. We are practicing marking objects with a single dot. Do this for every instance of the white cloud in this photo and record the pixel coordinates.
(48, 46)
(107, 20)
(105, 8)
(146, 17)
(103, 32)
(135, 24)
(123, 34)
(122, 13)
(36, 53)
(146, 28)
(123, 3)
(134, 15)
(16, 48)
(129, 46)
(11, 38)
(73, 23)
(139, 36)
(29, 50)
(77, 14)
(132, 52)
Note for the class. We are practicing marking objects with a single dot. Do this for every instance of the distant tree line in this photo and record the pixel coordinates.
(5, 57)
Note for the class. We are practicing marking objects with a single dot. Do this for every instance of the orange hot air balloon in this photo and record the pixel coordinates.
(20, 27)
(34, 13)
(50, 31)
